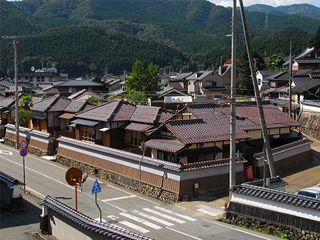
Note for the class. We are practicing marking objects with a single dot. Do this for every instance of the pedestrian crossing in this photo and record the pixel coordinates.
(148, 219)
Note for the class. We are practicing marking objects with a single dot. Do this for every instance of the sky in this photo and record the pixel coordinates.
(274, 3)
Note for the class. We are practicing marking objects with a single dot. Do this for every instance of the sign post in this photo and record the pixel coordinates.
(23, 153)
(73, 177)
(96, 189)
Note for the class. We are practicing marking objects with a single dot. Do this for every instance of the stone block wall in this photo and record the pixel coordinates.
(272, 228)
(147, 189)
(310, 123)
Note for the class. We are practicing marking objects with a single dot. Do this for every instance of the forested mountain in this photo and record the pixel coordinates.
(90, 35)
(307, 10)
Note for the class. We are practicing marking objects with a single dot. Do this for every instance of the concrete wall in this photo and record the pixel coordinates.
(39, 143)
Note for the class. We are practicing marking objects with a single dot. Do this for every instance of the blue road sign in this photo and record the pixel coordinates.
(96, 187)
(23, 152)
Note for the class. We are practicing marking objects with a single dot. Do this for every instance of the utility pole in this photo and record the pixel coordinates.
(257, 95)
(14, 44)
(232, 177)
(290, 79)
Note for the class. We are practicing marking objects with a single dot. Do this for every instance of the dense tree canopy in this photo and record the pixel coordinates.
(143, 80)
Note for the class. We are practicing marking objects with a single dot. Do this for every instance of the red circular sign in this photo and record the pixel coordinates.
(23, 144)
(23, 152)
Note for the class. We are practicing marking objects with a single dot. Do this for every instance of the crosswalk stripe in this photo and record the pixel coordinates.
(118, 198)
(163, 215)
(140, 220)
(128, 224)
(207, 212)
(177, 214)
(131, 225)
(155, 219)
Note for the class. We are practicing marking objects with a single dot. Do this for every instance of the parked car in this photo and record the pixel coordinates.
(313, 192)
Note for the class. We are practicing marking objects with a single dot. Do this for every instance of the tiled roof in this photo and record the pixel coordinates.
(89, 223)
(7, 102)
(116, 110)
(84, 94)
(119, 110)
(79, 83)
(60, 104)
(38, 74)
(136, 126)
(147, 114)
(199, 75)
(303, 84)
(7, 83)
(181, 76)
(167, 145)
(275, 182)
(277, 195)
(75, 106)
(311, 103)
(210, 164)
(212, 122)
(306, 52)
(44, 104)
(284, 148)
(198, 131)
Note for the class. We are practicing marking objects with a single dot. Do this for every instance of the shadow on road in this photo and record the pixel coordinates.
(29, 215)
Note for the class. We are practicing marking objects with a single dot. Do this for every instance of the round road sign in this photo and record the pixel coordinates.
(23, 144)
(23, 152)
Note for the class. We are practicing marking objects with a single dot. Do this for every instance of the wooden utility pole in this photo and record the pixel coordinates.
(14, 44)
(290, 80)
(232, 177)
(257, 95)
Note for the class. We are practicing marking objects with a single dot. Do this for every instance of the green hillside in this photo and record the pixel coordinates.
(88, 35)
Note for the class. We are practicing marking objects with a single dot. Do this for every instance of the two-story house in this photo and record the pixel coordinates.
(206, 83)
(201, 132)
(118, 124)
(309, 59)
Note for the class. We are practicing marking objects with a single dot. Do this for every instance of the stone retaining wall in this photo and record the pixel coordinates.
(270, 227)
(149, 190)
(310, 123)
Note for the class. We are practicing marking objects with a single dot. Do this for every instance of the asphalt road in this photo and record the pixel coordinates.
(120, 206)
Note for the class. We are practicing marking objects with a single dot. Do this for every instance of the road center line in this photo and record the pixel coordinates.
(118, 198)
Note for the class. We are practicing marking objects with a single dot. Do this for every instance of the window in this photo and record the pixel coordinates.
(87, 134)
(133, 138)
(211, 84)
(169, 157)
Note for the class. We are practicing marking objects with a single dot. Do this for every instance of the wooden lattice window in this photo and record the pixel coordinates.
(87, 134)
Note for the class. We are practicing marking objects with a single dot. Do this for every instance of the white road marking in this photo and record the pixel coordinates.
(55, 180)
(239, 230)
(5, 152)
(140, 220)
(156, 219)
(207, 212)
(188, 235)
(163, 215)
(131, 225)
(118, 198)
(135, 195)
(177, 214)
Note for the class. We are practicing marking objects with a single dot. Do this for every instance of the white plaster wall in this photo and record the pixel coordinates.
(276, 206)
